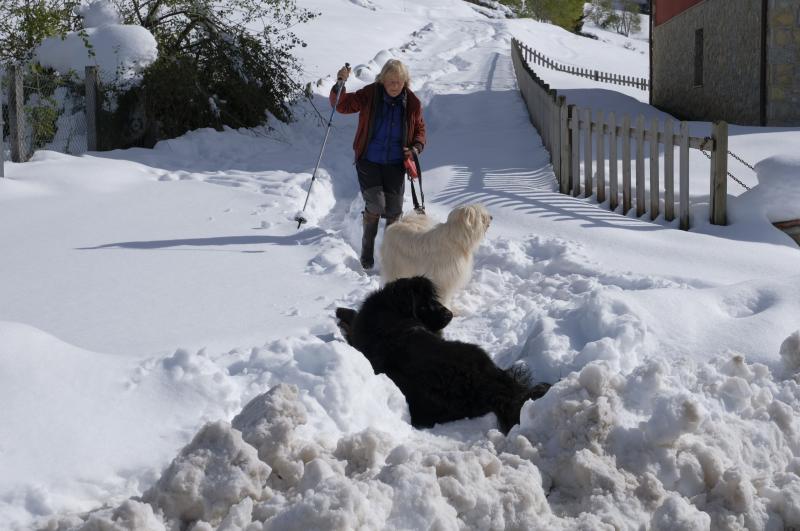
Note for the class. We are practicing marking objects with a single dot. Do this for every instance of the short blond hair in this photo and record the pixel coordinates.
(394, 66)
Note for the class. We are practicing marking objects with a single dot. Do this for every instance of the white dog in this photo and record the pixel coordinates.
(414, 245)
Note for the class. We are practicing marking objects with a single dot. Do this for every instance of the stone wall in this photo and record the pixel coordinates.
(731, 88)
(783, 62)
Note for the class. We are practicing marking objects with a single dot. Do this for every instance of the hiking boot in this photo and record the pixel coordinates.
(370, 223)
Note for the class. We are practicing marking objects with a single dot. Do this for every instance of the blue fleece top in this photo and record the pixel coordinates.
(386, 145)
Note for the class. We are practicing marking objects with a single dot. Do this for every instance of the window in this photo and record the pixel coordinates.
(698, 58)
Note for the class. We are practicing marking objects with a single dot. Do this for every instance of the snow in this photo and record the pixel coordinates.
(169, 357)
(119, 51)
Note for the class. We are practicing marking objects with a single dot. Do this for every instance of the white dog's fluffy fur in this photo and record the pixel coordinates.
(415, 245)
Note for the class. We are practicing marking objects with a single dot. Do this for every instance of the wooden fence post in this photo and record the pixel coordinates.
(555, 154)
(16, 115)
(640, 166)
(612, 161)
(601, 157)
(2, 138)
(587, 154)
(684, 175)
(719, 173)
(575, 149)
(626, 164)
(654, 180)
(669, 172)
(92, 107)
(563, 130)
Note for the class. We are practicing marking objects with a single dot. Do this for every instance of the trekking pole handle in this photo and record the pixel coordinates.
(347, 66)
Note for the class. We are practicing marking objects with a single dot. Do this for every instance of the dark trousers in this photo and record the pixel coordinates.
(382, 187)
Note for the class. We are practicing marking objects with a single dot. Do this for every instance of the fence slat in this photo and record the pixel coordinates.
(555, 135)
(669, 171)
(601, 158)
(684, 175)
(575, 147)
(587, 153)
(654, 177)
(546, 119)
(612, 161)
(626, 164)
(640, 193)
(563, 132)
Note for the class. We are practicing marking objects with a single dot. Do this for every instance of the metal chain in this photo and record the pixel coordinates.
(703, 146)
(740, 159)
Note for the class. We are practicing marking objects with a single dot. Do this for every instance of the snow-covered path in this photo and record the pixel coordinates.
(151, 291)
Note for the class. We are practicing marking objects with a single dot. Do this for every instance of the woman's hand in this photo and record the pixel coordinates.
(415, 149)
(343, 74)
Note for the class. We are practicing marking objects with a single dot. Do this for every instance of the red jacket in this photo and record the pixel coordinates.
(363, 101)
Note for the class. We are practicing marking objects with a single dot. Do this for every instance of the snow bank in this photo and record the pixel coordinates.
(681, 445)
(776, 197)
(671, 445)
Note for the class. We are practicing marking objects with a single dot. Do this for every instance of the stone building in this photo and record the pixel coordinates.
(732, 60)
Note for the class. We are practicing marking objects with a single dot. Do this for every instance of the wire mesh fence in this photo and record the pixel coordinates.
(52, 113)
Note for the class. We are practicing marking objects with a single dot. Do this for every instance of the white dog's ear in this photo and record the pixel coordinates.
(469, 216)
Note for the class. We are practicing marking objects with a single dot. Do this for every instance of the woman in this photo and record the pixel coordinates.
(390, 127)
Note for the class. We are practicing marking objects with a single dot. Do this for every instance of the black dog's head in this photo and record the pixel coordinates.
(415, 298)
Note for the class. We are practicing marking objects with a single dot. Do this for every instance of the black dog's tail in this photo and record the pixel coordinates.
(521, 390)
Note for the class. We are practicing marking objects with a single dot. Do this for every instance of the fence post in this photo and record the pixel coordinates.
(575, 150)
(601, 158)
(92, 108)
(719, 173)
(587, 154)
(612, 162)
(654, 178)
(563, 130)
(639, 166)
(684, 176)
(16, 115)
(2, 138)
(555, 153)
(669, 171)
(626, 164)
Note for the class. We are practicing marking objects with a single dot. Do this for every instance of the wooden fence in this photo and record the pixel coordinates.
(534, 57)
(572, 134)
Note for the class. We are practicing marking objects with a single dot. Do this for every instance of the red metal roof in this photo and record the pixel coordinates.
(666, 9)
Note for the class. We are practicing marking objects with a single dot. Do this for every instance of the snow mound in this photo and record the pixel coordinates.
(672, 446)
(98, 13)
(682, 445)
(120, 52)
(212, 473)
(777, 195)
(790, 352)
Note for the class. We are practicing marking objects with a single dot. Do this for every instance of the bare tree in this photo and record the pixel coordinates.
(630, 21)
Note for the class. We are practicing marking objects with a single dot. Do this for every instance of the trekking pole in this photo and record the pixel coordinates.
(299, 218)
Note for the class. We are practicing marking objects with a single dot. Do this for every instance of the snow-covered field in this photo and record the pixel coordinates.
(148, 296)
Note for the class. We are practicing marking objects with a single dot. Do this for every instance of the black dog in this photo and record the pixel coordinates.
(397, 330)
